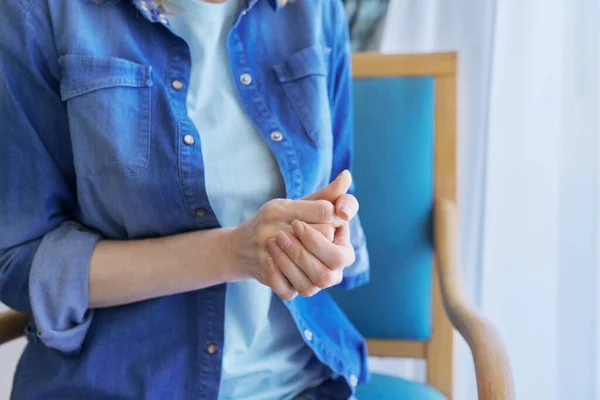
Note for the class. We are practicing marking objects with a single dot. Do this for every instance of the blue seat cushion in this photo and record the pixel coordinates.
(384, 387)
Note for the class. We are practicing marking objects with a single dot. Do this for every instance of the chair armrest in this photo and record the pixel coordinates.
(492, 365)
(12, 325)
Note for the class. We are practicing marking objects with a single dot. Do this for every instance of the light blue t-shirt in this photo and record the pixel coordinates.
(265, 356)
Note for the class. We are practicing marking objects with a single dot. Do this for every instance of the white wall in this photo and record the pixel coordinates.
(9, 355)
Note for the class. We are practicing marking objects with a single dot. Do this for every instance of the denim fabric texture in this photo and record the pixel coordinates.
(92, 148)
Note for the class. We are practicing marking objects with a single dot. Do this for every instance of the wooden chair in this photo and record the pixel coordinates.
(405, 176)
(12, 325)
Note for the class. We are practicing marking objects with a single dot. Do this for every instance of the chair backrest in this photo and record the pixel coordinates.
(405, 130)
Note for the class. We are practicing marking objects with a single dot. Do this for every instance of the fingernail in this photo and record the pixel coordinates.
(283, 239)
(347, 172)
(345, 209)
(298, 227)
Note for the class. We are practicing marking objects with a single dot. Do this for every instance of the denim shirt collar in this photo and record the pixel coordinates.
(156, 14)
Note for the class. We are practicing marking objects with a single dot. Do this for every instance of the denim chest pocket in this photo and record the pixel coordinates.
(303, 76)
(108, 105)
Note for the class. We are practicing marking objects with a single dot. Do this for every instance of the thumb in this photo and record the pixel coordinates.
(335, 189)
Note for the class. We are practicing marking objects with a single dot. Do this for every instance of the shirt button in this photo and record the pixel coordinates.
(246, 79)
(200, 212)
(212, 349)
(353, 380)
(188, 139)
(276, 136)
(308, 335)
(177, 84)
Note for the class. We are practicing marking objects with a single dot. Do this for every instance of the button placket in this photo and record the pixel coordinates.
(246, 79)
(177, 84)
(189, 140)
(308, 335)
(190, 161)
(276, 136)
(212, 349)
(264, 119)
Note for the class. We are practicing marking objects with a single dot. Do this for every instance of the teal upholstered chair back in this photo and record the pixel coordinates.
(399, 109)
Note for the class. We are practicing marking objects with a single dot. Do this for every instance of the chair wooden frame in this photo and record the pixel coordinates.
(494, 375)
(12, 325)
(450, 308)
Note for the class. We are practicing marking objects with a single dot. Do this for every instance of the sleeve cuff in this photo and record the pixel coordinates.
(58, 286)
(358, 273)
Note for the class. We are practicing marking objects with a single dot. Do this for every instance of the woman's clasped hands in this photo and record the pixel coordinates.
(298, 246)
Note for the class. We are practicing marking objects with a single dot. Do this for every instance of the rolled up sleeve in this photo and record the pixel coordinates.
(58, 286)
(44, 254)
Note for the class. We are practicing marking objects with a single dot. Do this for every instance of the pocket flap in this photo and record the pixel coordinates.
(83, 74)
(309, 61)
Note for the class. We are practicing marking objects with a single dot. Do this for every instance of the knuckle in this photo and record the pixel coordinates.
(263, 234)
(325, 279)
(308, 290)
(283, 203)
(298, 256)
(326, 210)
(338, 261)
(267, 213)
(287, 294)
(271, 210)
(339, 276)
(351, 258)
(283, 291)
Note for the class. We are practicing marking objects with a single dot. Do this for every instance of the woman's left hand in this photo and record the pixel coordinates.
(308, 259)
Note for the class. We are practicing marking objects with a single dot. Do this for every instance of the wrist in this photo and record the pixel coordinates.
(232, 261)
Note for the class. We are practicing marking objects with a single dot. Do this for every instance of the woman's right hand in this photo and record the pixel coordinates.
(248, 243)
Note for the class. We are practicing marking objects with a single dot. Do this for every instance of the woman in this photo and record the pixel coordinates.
(146, 150)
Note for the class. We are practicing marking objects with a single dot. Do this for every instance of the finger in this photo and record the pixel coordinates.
(279, 283)
(335, 189)
(342, 235)
(326, 230)
(346, 206)
(319, 274)
(313, 211)
(333, 255)
(291, 271)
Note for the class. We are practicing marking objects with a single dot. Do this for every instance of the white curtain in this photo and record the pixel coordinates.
(9, 356)
(529, 177)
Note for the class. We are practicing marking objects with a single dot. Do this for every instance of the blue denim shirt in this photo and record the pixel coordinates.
(91, 147)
